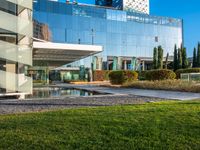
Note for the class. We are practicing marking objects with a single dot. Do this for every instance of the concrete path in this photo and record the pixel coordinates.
(173, 95)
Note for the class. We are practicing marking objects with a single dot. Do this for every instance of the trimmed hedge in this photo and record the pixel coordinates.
(189, 70)
(101, 75)
(120, 77)
(130, 76)
(162, 74)
(141, 75)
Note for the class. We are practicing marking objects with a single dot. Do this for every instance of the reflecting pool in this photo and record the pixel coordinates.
(55, 92)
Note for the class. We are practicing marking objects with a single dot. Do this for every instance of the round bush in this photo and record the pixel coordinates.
(120, 77)
(162, 74)
(116, 77)
(189, 70)
(130, 76)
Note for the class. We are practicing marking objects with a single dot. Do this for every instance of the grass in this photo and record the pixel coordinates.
(161, 125)
(173, 85)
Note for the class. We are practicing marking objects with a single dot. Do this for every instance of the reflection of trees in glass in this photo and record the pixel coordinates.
(42, 31)
(104, 2)
(110, 3)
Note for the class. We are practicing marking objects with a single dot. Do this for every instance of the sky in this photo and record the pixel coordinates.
(188, 10)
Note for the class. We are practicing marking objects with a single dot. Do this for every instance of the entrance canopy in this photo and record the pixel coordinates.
(57, 54)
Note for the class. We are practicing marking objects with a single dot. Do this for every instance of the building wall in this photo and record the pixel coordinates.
(121, 33)
(15, 45)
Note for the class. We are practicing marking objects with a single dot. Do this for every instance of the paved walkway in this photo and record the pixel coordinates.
(172, 95)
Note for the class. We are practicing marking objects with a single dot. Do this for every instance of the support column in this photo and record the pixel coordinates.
(94, 60)
(99, 63)
(47, 75)
(143, 65)
(125, 65)
(114, 63)
(119, 63)
(133, 63)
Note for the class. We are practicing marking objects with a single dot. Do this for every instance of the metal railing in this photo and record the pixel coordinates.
(190, 77)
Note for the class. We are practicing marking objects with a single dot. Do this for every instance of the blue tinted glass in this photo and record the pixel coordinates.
(120, 33)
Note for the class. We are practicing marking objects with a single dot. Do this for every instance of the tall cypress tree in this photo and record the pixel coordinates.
(175, 64)
(179, 59)
(155, 58)
(184, 58)
(194, 63)
(160, 57)
(198, 55)
(166, 60)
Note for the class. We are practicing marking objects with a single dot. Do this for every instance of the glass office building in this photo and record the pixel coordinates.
(16, 31)
(127, 37)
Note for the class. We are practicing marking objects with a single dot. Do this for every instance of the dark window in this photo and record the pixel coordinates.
(156, 39)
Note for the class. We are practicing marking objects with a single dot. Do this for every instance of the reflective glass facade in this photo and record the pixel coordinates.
(121, 33)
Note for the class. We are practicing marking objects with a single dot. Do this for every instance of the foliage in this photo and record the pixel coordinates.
(172, 85)
(55, 75)
(155, 58)
(166, 61)
(175, 64)
(39, 81)
(179, 58)
(116, 77)
(159, 125)
(141, 75)
(189, 70)
(194, 63)
(162, 74)
(101, 75)
(160, 58)
(74, 80)
(184, 59)
(198, 55)
(130, 75)
(120, 77)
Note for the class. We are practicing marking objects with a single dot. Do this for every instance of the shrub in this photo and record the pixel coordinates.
(69, 81)
(189, 70)
(116, 77)
(141, 75)
(162, 74)
(101, 75)
(39, 81)
(130, 76)
(120, 77)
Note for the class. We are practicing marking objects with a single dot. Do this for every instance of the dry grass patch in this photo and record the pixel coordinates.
(174, 85)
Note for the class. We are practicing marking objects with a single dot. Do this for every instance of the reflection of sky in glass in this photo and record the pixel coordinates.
(120, 33)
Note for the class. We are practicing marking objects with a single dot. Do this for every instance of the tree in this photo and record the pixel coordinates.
(179, 59)
(166, 60)
(198, 55)
(184, 58)
(175, 64)
(194, 63)
(160, 57)
(155, 58)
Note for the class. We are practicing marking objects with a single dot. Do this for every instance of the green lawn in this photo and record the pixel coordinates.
(163, 125)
